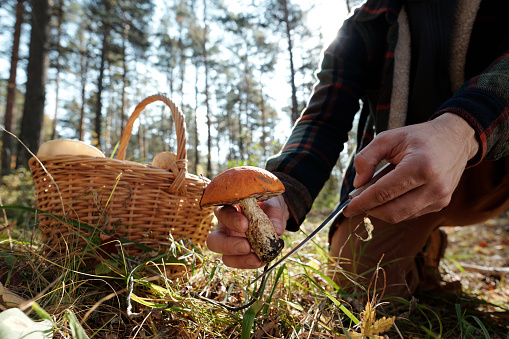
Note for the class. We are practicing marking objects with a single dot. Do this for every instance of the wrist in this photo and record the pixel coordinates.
(462, 129)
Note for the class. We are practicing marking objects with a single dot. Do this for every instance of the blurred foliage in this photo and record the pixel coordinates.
(329, 195)
(236, 163)
(16, 189)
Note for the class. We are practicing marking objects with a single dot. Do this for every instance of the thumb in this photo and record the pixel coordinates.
(277, 211)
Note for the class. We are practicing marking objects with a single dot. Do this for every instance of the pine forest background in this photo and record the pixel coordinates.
(241, 72)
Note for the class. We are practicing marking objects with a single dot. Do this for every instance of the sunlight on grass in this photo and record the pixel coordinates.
(101, 291)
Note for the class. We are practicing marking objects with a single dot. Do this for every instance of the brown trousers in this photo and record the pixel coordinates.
(483, 193)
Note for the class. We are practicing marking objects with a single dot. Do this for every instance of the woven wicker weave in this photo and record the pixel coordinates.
(135, 201)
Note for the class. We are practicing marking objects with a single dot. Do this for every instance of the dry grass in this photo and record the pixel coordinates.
(113, 296)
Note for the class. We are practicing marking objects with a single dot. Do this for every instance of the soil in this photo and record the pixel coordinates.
(478, 258)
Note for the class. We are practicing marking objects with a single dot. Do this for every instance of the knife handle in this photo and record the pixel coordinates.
(380, 173)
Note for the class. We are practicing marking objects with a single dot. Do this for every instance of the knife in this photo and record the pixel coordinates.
(380, 173)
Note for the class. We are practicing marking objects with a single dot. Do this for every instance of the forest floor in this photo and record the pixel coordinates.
(475, 273)
(472, 303)
(477, 257)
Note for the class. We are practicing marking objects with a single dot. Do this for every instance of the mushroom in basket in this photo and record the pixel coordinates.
(164, 160)
(57, 147)
(246, 185)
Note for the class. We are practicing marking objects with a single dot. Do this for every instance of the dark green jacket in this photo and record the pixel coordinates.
(398, 63)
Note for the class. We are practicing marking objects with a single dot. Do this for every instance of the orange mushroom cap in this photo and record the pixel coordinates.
(237, 183)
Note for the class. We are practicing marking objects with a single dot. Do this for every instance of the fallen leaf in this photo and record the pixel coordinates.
(369, 326)
(369, 229)
(9, 299)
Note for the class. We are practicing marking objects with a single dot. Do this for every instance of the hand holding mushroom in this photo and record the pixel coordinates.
(246, 186)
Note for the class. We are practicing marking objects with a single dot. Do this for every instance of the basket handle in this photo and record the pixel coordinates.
(180, 128)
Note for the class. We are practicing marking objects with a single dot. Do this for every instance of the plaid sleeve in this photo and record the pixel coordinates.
(483, 102)
(306, 160)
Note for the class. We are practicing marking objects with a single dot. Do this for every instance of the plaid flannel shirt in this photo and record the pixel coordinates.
(358, 66)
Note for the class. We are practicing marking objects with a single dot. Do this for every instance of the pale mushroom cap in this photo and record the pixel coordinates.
(239, 183)
(69, 147)
(164, 160)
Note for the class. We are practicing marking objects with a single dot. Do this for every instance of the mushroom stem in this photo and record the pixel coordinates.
(261, 233)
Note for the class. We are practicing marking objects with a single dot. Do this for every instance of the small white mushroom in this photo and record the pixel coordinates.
(246, 185)
(68, 146)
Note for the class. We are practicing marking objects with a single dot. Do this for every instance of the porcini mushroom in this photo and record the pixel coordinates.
(164, 160)
(69, 147)
(246, 185)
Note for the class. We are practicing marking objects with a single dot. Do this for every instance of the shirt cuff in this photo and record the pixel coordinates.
(297, 198)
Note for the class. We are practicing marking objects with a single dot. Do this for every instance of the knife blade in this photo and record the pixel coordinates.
(356, 192)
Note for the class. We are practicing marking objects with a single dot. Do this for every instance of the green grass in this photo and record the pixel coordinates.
(97, 294)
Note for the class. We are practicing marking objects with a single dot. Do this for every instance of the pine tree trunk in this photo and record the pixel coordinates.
(84, 71)
(54, 134)
(57, 67)
(100, 85)
(182, 60)
(295, 112)
(124, 78)
(7, 149)
(33, 111)
(141, 143)
(247, 128)
(207, 99)
(195, 125)
(263, 142)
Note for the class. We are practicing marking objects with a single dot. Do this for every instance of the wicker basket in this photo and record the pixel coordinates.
(140, 204)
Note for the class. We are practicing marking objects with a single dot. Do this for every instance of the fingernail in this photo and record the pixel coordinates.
(241, 248)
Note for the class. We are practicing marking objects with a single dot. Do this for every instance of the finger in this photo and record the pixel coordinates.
(364, 169)
(369, 158)
(404, 178)
(221, 241)
(231, 217)
(249, 261)
(410, 205)
(397, 210)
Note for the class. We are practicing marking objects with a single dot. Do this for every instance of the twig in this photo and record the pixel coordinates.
(488, 270)
(30, 302)
(141, 326)
(7, 228)
(109, 296)
(130, 288)
(239, 308)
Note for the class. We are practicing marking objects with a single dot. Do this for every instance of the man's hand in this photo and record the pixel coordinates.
(430, 159)
(229, 237)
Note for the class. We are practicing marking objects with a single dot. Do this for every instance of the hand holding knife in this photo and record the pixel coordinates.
(356, 192)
